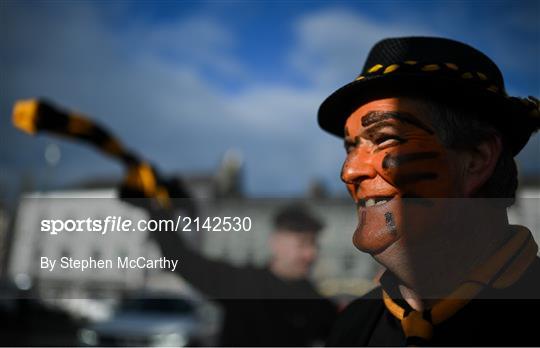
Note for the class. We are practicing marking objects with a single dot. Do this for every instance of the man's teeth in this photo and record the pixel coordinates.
(371, 202)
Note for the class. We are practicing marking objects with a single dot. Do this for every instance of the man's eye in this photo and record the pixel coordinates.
(349, 146)
(388, 139)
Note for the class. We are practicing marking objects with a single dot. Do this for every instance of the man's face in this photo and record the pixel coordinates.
(394, 169)
(294, 252)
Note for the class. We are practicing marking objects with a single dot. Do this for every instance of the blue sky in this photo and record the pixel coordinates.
(182, 82)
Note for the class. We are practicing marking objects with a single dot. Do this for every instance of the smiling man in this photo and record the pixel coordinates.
(430, 136)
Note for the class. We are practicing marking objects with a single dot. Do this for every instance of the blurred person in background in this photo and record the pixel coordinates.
(430, 135)
(275, 305)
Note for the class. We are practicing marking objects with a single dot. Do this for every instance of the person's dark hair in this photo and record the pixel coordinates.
(461, 129)
(296, 218)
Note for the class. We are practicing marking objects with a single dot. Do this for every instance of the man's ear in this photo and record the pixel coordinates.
(480, 163)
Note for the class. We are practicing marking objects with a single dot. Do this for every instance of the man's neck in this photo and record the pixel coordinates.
(431, 272)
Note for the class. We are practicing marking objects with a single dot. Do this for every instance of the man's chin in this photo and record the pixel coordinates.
(374, 241)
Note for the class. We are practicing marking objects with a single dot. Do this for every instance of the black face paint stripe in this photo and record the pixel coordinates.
(347, 132)
(405, 179)
(390, 223)
(390, 161)
(363, 219)
(373, 117)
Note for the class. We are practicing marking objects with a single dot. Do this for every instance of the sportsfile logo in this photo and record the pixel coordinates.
(109, 224)
(121, 224)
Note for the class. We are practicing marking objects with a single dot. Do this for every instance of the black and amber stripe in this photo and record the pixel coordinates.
(141, 180)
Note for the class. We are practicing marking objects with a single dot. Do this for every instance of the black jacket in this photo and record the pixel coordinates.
(498, 317)
(260, 308)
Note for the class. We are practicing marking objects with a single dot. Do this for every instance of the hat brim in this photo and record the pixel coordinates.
(497, 109)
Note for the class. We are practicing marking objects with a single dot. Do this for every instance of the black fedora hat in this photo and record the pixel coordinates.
(439, 68)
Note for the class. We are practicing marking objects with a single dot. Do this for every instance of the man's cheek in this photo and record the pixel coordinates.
(414, 171)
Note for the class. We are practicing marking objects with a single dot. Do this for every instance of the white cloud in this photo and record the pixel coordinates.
(333, 44)
(202, 42)
(274, 108)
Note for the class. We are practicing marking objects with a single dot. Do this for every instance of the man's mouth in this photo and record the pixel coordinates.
(374, 201)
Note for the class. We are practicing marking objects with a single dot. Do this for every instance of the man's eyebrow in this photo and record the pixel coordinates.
(373, 117)
(377, 126)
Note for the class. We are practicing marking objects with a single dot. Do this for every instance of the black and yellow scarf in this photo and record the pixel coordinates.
(500, 271)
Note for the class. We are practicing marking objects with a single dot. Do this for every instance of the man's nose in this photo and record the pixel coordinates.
(357, 167)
